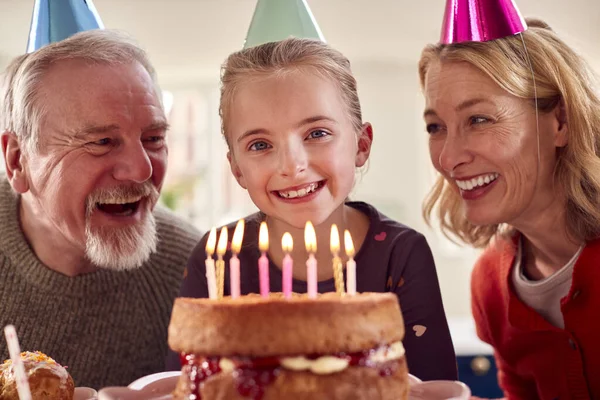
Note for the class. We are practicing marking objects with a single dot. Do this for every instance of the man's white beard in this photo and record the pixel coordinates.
(121, 249)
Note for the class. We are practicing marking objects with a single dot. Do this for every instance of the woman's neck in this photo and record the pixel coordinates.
(345, 217)
(548, 244)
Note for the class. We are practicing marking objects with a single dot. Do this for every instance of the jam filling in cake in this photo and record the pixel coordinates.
(253, 375)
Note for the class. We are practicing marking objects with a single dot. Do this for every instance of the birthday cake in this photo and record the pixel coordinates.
(48, 380)
(332, 347)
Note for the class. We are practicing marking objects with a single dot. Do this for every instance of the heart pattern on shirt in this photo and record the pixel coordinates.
(380, 237)
(390, 283)
(419, 330)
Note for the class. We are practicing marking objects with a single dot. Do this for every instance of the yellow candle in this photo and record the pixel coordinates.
(338, 274)
(221, 249)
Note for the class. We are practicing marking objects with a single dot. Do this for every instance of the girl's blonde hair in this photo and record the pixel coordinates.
(283, 57)
(561, 76)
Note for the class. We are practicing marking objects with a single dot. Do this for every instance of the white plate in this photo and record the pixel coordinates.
(439, 390)
(152, 387)
(160, 385)
(85, 393)
(148, 380)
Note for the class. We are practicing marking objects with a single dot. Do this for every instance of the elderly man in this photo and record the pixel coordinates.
(89, 265)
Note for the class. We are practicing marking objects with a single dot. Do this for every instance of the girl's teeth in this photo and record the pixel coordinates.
(476, 182)
(291, 194)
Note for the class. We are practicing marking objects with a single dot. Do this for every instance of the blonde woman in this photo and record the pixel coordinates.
(525, 185)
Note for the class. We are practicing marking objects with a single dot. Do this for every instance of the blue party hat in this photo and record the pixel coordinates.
(55, 20)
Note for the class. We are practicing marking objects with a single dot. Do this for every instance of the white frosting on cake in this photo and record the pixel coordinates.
(33, 361)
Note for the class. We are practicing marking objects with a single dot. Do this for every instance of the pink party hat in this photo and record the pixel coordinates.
(480, 20)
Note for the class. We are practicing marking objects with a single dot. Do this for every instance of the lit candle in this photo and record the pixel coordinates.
(334, 246)
(221, 249)
(263, 261)
(210, 264)
(234, 263)
(350, 264)
(310, 241)
(287, 244)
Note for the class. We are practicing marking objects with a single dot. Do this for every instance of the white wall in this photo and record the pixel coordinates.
(400, 174)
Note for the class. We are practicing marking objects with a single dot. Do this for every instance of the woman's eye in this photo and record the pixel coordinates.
(258, 146)
(475, 120)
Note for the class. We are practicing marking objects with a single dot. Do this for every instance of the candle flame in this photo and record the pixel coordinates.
(263, 237)
(334, 242)
(287, 243)
(238, 236)
(222, 245)
(211, 242)
(310, 238)
(348, 244)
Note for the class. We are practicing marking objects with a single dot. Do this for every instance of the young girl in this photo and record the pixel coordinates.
(292, 120)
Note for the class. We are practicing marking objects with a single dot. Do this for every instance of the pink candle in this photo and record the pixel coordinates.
(263, 261)
(234, 262)
(234, 276)
(310, 241)
(287, 245)
(311, 276)
(350, 264)
(263, 272)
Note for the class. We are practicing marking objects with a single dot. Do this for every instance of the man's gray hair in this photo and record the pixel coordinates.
(22, 111)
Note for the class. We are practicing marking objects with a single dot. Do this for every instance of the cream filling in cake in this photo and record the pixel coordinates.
(328, 364)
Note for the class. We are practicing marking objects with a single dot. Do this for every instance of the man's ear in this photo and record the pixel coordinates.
(365, 140)
(13, 162)
(561, 131)
(235, 170)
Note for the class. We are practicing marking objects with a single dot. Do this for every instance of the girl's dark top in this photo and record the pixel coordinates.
(393, 258)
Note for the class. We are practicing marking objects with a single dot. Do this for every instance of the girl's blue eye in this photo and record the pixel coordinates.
(258, 146)
(317, 134)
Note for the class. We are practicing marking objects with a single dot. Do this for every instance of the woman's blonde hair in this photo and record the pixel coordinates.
(287, 56)
(561, 77)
